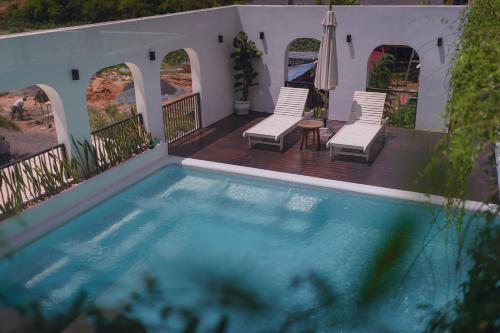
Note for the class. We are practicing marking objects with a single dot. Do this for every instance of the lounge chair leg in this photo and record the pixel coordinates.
(249, 142)
(281, 143)
(332, 154)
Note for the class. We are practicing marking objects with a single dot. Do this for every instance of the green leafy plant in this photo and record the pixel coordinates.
(120, 142)
(473, 116)
(472, 111)
(244, 53)
(33, 180)
(41, 177)
(478, 310)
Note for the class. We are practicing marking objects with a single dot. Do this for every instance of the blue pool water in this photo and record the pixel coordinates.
(193, 230)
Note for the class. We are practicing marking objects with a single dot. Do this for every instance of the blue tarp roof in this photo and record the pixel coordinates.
(296, 71)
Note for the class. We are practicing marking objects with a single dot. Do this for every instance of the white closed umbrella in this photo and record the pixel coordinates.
(326, 70)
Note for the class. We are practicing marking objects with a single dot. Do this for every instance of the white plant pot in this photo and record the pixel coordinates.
(242, 107)
(308, 114)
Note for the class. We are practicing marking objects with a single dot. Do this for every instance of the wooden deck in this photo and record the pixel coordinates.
(397, 164)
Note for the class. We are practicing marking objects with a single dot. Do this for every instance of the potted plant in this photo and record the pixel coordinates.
(245, 76)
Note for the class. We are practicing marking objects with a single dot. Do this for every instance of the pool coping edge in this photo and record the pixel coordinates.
(371, 190)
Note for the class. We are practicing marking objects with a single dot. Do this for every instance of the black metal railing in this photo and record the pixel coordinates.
(314, 99)
(400, 106)
(33, 177)
(103, 138)
(182, 117)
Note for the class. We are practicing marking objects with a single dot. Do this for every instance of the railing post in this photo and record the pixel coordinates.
(198, 110)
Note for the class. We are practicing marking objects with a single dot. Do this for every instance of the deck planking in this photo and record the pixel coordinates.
(396, 164)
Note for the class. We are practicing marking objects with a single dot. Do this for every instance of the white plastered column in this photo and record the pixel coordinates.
(70, 114)
(148, 97)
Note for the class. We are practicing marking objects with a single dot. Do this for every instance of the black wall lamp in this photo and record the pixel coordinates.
(348, 38)
(261, 35)
(220, 38)
(75, 74)
(440, 41)
(152, 55)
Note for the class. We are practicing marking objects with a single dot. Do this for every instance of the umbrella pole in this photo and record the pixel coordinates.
(325, 107)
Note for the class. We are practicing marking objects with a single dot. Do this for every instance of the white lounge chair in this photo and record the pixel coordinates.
(364, 126)
(287, 113)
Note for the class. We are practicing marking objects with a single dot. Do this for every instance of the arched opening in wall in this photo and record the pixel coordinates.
(26, 123)
(395, 70)
(300, 60)
(180, 93)
(110, 97)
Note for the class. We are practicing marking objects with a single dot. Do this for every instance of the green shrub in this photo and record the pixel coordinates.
(176, 58)
(380, 75)
(96, 119)
(472, 111)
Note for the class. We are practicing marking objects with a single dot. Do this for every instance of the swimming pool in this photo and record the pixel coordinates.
(192, 230)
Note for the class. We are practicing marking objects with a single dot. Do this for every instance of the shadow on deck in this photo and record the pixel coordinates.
(396, 165)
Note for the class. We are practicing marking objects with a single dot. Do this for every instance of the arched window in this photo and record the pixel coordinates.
(180, 92)
(395, 70)
(301, 57)
(175, 77)
(27, 120)
(110, 96)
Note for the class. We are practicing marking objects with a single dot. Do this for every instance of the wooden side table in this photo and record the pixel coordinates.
(309, 126)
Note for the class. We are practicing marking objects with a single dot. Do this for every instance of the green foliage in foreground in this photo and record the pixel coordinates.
(474, 118)
(479, 309)
(319, 307)
(473, 108)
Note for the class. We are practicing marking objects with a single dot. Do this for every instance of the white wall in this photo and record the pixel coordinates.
(369, 26)
(47, 57)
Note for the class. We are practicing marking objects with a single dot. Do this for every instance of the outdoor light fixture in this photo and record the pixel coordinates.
(221, 38)
(348, 39)
(75, 74)
(152, 55)
(440, 41)
(261, 35)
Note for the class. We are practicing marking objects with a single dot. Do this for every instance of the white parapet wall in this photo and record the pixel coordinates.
(369, 26)
(48, 57)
